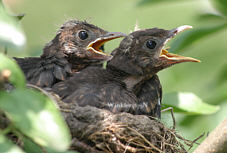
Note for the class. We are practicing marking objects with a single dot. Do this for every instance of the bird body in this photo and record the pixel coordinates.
(104, 89)
(97, 87)
(150, 93)
(43, 72)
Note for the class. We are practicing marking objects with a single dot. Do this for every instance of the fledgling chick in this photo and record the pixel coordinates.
(76, 46)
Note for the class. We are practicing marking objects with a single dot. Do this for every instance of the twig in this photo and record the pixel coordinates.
(172, 114)
(216, 142)
(196, 139)
(144, 139)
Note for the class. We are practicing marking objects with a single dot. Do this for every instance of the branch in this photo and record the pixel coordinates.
(216, 142)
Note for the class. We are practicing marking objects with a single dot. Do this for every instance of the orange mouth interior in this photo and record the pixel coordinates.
(97, 44)
(177, 58)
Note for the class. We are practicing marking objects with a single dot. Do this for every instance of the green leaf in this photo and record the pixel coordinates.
(221, 6)
(8, 147)
(148, 2)
(210, 17)
(188, 38)
(222, 76)
(52, 151)
(36, 116)
(31, 147)
(17, 76)
(11, 33)
(188, 103)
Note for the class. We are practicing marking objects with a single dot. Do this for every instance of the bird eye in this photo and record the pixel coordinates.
(83, 35)
(151, 44)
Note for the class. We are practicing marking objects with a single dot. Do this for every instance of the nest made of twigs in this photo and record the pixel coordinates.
(122, 133)
(97, 130)
(122, 138)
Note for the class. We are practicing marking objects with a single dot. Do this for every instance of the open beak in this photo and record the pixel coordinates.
(171, 58)
(174, 58)
(95, 46)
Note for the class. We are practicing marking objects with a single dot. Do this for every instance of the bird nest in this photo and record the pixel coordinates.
(123, 138)
(98, 130)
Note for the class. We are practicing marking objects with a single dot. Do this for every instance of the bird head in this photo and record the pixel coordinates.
(143, 52)
(81, 40)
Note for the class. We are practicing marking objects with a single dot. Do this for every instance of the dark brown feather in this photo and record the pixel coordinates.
(150, 93)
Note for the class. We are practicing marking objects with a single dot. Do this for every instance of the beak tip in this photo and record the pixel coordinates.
(185, 27)
(110, 57)
(116, 34)
(188, 26)
(196, 60)
(122, 34)
(181, 29)
(107, 58)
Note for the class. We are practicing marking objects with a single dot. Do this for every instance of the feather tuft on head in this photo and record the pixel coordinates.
(136, 26)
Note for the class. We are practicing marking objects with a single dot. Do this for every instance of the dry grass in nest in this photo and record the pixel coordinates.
(121, 138)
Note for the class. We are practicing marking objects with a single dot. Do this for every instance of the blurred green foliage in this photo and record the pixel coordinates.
(207, 42)
(7, 64)
(221, 6)
(7, 146)
(188, 103)
(36, 117)
(33, 116)
(189, 37)
(11, 34)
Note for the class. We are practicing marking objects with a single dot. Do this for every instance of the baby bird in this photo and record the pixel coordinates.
(76, 46)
